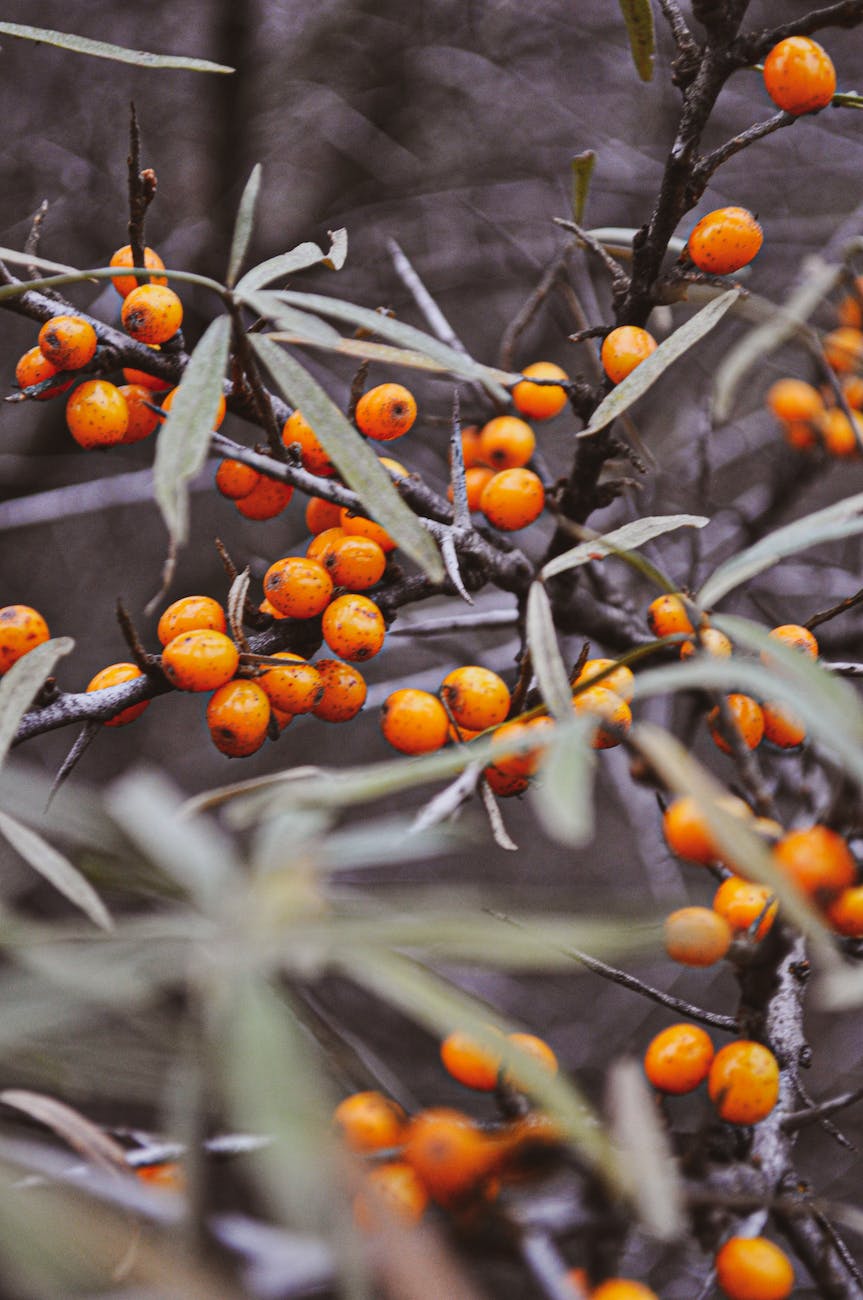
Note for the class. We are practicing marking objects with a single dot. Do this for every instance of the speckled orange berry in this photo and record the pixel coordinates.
(818, 860)
(527, 761)
(33, 369)
(625, 348)
(476, 697)
(356, 563)
(191, 614)
(152, 313)
(618, 677)
(22, 628)
(321, 515)
(391, 1191)
(793, 399)
(344, 691)
(68, 342)
(314, 458)
(512, 499)
(540, 401)
(321, 546)
(696, 936)
(115, 675)
(221, 407)
(97, 414)
(742, 903)
(753, 1268)
(607, 705)
(796, 637)
(238, 715)
(471, 1063)
(725, 240)
(845, 913)
(799, 75)
(360, 526)
(236, 480)
(678, 1059)
(353, 627)
(296, 688)
(668, 614)
(386, 412)
(449, 1153)
(506, 442)
(124, 284)
(202, 660)
(687, 831)
(414, 721)
(744, 1082)
(369, 1121)
(143, 420)
(782, 727)
(298, 587)
(266, 500)
(746, 717)
(843, 349)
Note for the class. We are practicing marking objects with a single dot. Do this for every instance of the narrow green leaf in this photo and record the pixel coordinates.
(645, 1152)
(56, 869)
(842, 519)
(563, 793)
(355, 461)
(308, 329)
(626, 538)
(28, 259)
(644, 376)
(638, 16)
(20, 684)
(582, 170)
(244, 225)
(545, 654)
(184, 438)
(101, 50)
(297, 259)
(367, 350)
(17, 288)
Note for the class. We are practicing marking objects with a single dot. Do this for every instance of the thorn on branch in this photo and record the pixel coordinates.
(142, 191)
(619, 278)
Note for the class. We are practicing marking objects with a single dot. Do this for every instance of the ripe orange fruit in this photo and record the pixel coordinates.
(678, 1059)
(386, 412)
(470, 446)
(266, 500)
(322, 544)
(696, 936)
(356, 563)
(33, 369)
(843, 349)
(753, 1268)
(506, 442)
(475, 480)
(296, 688)
(620, 679)
(236, 480)
(512, 499)
(344, 691)
(800, 436)
(369, 1121)
(476, 697)
(540, 401)
(817, 860)
(143, 420)
(845, 913)
(796, 637)
(782, 727)
(709, 642)
(238, 715)
(189, 614)
(668, 614)
(200, 661)
(470, 1063)
(725, 240)
(687, 832)
(448, 1152)
(744, 1082)
(124, 284)
(97, 414)
(392, 1190)
(625, 348)
(747, 718)
(742, 902)
(359, 526)
(115, 675)
(298, 587)
(312, 454)
(414, 721)
(152, 313)
(622, 1288)
(524, 763)
(793, 399)
(68, 342)
(799, 75)
(841, 436)
(353, 627)
(608, 705)
(22, 628)
(321, 515)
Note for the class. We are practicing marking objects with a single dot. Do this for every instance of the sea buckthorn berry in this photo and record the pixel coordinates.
(115, 675)
(678, 1059)
(475, 480)
(742, 902)
(507, 442)
(266, 608)
(753, 1268)
(710, 642)
(191, 614)
(97, 414)
(841, 436)
(623, 349)
(817, 860)
(852, 391)
(353, 627)
(314, 458)
(744, 1082)
(414, 721)
(845, 913)
(622, 1288)
(321, 546)
(355, 562)
(298, 587)
(608, 705)
(746, 717)
(143, 420)
(850, 309)
(668, 614)
(476, 697)
(526, 762)
(504, 784)
(296, 688)
(238, 715)
(21, 630)
(152, 314)
(795, 637)
(725, 240)
(800, 436)
(471, 447)
(687, 832)
(539, 1052)
(236, 480)
(843, 349)
(221, 407)
(124, 284)
(471, 1063)
(620, 679)
(782, 727)
(392, 1190)
(266, 500)
(793, 399)
(360, 526)
(369, 1121)
(696, 936)
(33, 369)
(202, 660)
(448, 1152)
(512, 499)
(386, 412)
(344, 691)
(394, 466)
(321, 515)
(282, 719)
(799, 75)
(68, 342)
(540, 401)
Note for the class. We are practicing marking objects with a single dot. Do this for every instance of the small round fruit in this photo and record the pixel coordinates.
(22, 628)
(202, 660)
(353, 627)
(725, 240)
(390, 1191)
(539, 1052)
(608, 706)
(623, 349)
(782, 727)
(449, 1152)
(221, 406)
(97, 414)
(369, 1121)
(696, 936)
(793, 399)
(512, 499)
(845, 913)
(296, 688)
(843, 349)
(678, 1059)
(687, 832)
(476, 697)
(124, 284)
(618, 678)
(115, 675)
(312, 454)
(799, 75)
(68, 342)
(710, 642)
(143, 420)
(471, 1063)
(622, 1288)
(525, 762)
(152, 313)
(667, 615)
(799, 435)
(266, 500)
(746, 717)
(386, 412)
(475, 480)
(344, 691)
(33, 369)
(191, 614)
(841, 437)
(540, 401)
(818, 860)
(323, 544)
(470, 446)
(236, 480)
(414, 721)
(321, 515)
(360, 526)
(744, 1082)
(795, 637)
(298, 587)
(356, 563)
(742, 903)
(238, 715)
(753, 1268)
(506, 442)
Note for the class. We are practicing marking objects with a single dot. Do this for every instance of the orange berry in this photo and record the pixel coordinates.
(678, 1059)
(504, 784)
(744, 1082)
(800, 436)
(623, 349)
(620, 679)
(394, 466)
(817, 860)
(471, 448)
(747, 718)
(753, 1268)
(359, 526)
(687, 832)
(622, 1288)
(710, 642)
(852, 391)
(201, 660)
(21, 630)
(507, 442)
(696, 936)
(793, 399)
(414, 721)
(124, 284)
(850, 309)
(393, 1190)
(321, 545)
(298, 587)
(512, 499)
(540, 401)
(312, 454)
(282, 719)
(840, 436)
(33, 369)
(725, 240)
(476, 697)
(353, 627)
(296, 688)
(799, 75)
(68, 342)
(843, 349)
(221, 408)
(236, 480)
(448, 1152)
(191, 614)
(539, 1052)
(796, 637)
(742, 902)
(143, 420)
(344, 691)
(608, 705)
(355, 562)
(321, 515)
(115, 675)
(845, 913)
(782, 727)
(238, 715)
(266, 608)
(668, 614)
(469, 1062)
(526, 762)
(386, 412)
(97, 414)
(475, 480)
(369, 1121)
(152, 313)
(266, 500)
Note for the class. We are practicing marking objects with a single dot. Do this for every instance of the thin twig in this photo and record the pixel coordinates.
(711, 161)
(798, 1119)
(826, 614)
(434, 317)
(619, 278)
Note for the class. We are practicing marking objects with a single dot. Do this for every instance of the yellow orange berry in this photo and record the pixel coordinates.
(843, 349)
(238, 716)
(115, 675)
(449, 1153)
(818, 860)
(295, 688)
(623, 349)
(753, 1268)
(607, 705)
(359, 526)
(386, 412)
(742, 903)
(696, 936)
(202, 660)
(506, 442)
(392, 1190)
(678, 1059)
(540, 401)
(68, 342)
(799, 75)
(369, 1121)
(143, 420)
(344, 691)
(746, 717)
(782, 727)
(314, 458)
(97, 414)
(725, 240)
(793, 399)
(33, 369)
(152, 313)
(356, 563)
(190, 614)
(512, 499)
(236, 480)
(267, 499)
(413, 721)
(618, 677)
(353, 627)
(476, 697)
(471, 1063)
(22, 628)
(744, 1082)
(124, 284)
(668, 614)
(298, 586)
(845, 913)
